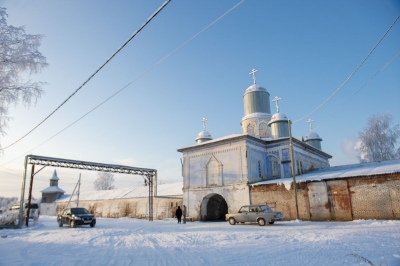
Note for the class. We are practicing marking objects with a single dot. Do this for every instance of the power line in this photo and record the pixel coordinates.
(108, 60)
(362, 62)
(365, 84)
(138, 77)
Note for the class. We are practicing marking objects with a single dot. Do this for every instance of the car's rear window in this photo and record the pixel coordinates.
(33, 205)
(265, 208)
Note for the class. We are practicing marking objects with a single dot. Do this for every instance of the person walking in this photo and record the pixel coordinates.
(178, 214)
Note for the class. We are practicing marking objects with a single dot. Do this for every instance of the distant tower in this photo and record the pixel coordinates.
(278, 123)
(204, 135)
(257, 110)
(312, 138)
(54, 179)
(53, 192)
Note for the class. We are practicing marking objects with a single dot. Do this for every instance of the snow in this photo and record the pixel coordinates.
(127, 241)
(52, 189)
(173, 189)
(362, 169)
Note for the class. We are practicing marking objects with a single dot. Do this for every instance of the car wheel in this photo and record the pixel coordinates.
(60, 224)
(232, 221)
(72, 224)
(271, 222)
(261, 222)
(92, 224)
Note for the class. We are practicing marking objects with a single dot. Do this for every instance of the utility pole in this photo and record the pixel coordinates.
(29, 197)
(79, 190)
(292, 165)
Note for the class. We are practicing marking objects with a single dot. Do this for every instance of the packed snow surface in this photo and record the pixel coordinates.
(128, 241)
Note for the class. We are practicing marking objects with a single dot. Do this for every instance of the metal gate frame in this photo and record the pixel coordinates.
(150, 176)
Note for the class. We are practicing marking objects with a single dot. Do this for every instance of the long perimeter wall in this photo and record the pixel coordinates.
(163, 207)
(368, 197)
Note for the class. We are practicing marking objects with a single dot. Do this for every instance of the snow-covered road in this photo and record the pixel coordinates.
(139, 242)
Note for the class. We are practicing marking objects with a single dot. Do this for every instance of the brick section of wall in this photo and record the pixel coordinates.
(281, 199)
(394, 193)
(370, 197)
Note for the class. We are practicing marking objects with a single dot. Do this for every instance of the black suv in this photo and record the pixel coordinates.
(76, 216)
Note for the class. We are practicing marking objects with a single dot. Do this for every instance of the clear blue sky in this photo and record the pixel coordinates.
(304, 50)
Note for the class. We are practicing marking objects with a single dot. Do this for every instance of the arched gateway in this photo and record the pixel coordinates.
(213, 208)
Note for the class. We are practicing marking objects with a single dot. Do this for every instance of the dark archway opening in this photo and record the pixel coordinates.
(213, 208)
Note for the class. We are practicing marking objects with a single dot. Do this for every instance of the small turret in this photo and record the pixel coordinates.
(313, 139)
(204, 135)
(279, 123)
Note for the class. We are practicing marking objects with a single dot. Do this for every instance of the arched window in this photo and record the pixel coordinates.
(263, 129)
(275, 171)
(298, 167)
(250, 129)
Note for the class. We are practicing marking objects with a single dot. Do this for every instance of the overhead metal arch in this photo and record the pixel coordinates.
(150, 175)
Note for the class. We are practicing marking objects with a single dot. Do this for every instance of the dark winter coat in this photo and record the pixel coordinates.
(178, 213)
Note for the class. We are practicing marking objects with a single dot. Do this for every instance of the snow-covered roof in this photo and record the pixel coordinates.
(312, 135)
(174, 189)
(204, 135)
(215, 140)
(361, 169)
(278, 117)
(52, 189)
(255, 87)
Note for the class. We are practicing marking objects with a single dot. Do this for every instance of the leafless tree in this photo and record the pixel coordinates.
(104, 181)
(19, 56)
(378, 140)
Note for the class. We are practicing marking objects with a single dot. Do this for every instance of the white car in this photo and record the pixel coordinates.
(260, 213)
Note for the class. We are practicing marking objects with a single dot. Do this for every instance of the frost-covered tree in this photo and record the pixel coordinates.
(378, 140)
(5, 203)
(19, 58)
(104, 181)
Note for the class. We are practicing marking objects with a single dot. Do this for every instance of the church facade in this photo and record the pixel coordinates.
(217, 173)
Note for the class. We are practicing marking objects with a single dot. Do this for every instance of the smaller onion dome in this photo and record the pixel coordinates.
(312, 136)
(203, 136)
(314, 140)
(278, 117)
(279, 126)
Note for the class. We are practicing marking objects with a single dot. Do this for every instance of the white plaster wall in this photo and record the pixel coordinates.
(232, 157)
(235, 196)
(135, 208)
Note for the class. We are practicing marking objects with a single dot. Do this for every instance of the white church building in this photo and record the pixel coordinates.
(217, 173)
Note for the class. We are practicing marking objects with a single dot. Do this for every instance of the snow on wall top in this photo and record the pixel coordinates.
(174, 189)
(342, 171)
